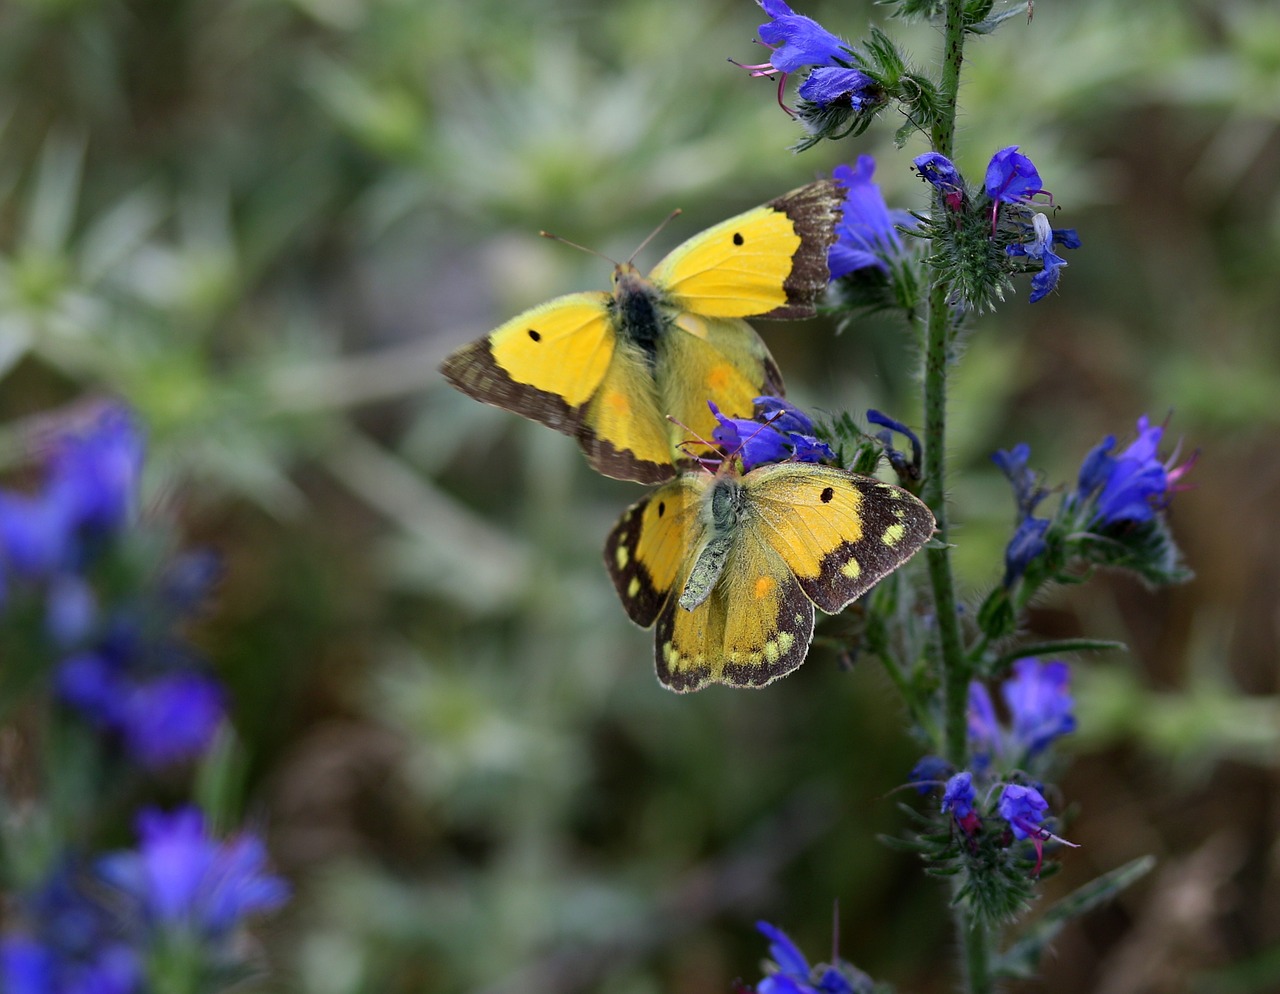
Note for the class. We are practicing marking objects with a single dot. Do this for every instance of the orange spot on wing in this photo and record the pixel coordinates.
(617, 402)
(764, 587)
(719, 377)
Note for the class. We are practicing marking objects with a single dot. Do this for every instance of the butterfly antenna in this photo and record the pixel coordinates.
(580, 248)
(654, 234)
(706, 462)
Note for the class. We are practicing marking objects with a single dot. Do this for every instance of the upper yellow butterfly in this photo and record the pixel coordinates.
(608, 368)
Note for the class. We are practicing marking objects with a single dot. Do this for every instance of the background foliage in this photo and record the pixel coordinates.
(264, 222)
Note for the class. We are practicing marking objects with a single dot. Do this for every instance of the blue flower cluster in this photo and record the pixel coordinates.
(779, 432)
(1040, 708)
(118, 665)
(96, 929)
(1113, 494)
(798, 41)
(1012, 179)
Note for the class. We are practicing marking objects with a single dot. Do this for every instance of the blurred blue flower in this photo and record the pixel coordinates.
(865, 234)
(1012, 177)
(779, 432)
(1024, 809)
(171, 718)
(985, 734)
(162, 716)
(1039, 700)
(95, 472)
(1132, 486)
(182, 879)
(89, 489)
(66, 943)
(928, 773)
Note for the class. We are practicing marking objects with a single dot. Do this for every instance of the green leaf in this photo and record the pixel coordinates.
(1022, 958)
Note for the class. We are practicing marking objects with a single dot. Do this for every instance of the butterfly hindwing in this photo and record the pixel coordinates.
(719, 358)
(543, 364)
(769, 262)
(755, 626)
(838, 532)
(624, 433)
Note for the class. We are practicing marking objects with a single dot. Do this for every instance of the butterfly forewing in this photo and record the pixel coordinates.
(770, 261)
(838, 532)
(648, 547)
(544, 364)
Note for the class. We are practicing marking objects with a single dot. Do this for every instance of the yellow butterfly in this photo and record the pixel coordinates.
(731, 565)
(608, 368)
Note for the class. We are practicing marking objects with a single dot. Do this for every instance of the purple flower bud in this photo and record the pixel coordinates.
(1024, 809)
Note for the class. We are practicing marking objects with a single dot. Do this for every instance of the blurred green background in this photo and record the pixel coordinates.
(264, 223)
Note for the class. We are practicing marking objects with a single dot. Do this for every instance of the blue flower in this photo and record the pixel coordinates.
(1028, 538)
(1025, 547)
(779, 432)
(928, 773)
(797, 40)
(794, 975)
(938, 170)
(182, 879)
(1040, 248)
(1039, 700)
(985, 734)
(906, 469)
(162, 717)
(95, 473)
(67, 943)
(1027, 491)
(831, 84)
(1012, 177)
(958, 796)
(1024, 809)
(1131, 486)
(172, 718)
(865, 235)
(90, 488)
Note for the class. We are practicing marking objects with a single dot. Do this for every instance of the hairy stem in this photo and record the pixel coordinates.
(956, 665)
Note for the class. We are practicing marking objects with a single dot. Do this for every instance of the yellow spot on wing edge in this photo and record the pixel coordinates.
(633, 588)
(852, 569)
(893, 534)
(623, 556)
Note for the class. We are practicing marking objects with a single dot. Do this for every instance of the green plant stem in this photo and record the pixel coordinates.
(956, 664)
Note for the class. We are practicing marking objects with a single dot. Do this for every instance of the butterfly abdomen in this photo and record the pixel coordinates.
(723, 507)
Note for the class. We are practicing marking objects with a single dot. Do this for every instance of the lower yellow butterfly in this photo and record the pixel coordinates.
(731, 565)
(608, 368)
